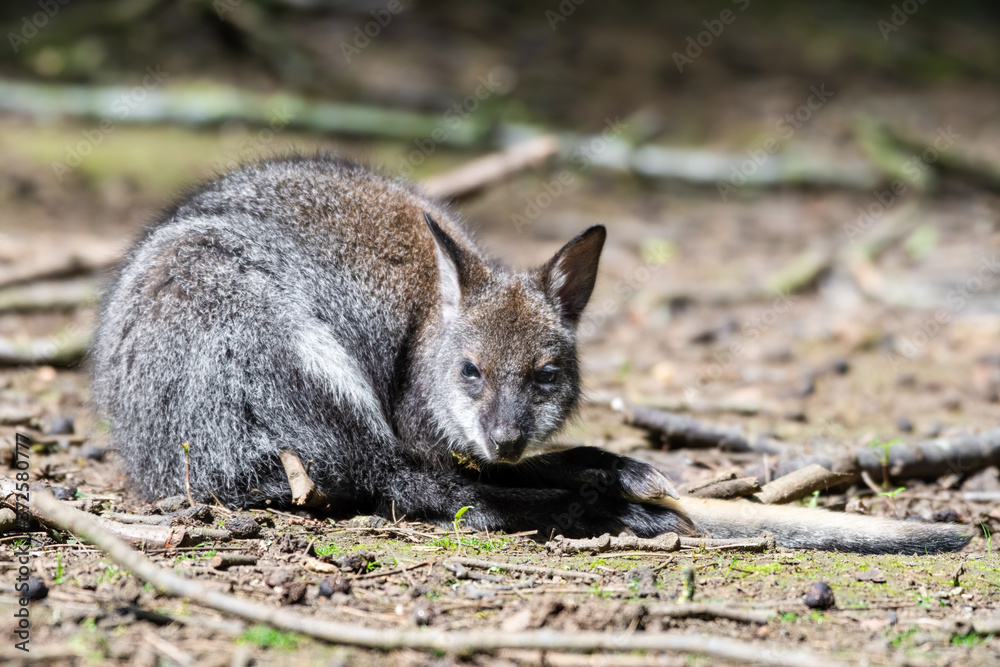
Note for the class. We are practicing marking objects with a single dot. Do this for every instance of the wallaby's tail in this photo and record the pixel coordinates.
(801, 528)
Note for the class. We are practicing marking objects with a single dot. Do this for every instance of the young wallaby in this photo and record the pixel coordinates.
(311, 305)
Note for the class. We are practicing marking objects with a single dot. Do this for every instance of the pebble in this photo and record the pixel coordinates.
(904, 424)
(64, 492)
(93, 452)
(422, 613)
(37, 590)
(819, 596)
(242, 527)
(332, 585)
(62, 426)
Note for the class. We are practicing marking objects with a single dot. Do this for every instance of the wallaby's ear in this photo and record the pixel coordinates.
(570, 275)
(454, 265)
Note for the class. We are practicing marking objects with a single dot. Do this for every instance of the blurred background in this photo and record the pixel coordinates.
(801, 201)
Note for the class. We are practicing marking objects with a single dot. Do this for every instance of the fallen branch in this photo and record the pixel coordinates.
(761, 544)
(89, 529)
(710, 611)
(926, 460)
(529, 569)
(661, 543)
(229, 559)
(46, 267)
(197, 105)
(801, 483)
(672, 430)
(304, 491)
(48, 295)
(724, 486)
(488, 169)
(63, 349)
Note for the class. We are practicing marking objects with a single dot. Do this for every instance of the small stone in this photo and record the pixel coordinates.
(422, 613)
(294, 593)
(93, 452)
(358, 562)
(62, 426)
(194, 515)
(840, 366)
(332, 585)
(934, 430)
(171, 504)
(278, 577)
(819, 596)
(37, 590)
(873, 575)
(904, 424)
(64, 492)
(242, 527)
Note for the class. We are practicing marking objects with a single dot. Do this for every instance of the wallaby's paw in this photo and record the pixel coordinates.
(642, 482)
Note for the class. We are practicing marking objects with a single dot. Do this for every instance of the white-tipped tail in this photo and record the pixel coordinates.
(802, 528)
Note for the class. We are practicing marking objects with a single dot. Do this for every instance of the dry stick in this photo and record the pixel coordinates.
(59, 266)
(529, 569)
(88, 528)
(761, 544)
(304, 491)
(489, 169)
(927, 459)
(62, 349)
(800, 484)
(230, 559)
(682, 431)
(661, 543)
(48, 295)
(710, 611)
(730, 488)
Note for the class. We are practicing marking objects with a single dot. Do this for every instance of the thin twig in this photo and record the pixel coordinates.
(530, 569)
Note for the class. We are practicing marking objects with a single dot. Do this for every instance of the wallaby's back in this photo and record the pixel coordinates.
(259, 295)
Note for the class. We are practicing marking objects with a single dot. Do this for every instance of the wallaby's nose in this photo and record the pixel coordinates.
(509, 442)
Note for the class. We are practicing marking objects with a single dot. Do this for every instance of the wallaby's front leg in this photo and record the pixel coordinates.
(436, 496)
(582, 469)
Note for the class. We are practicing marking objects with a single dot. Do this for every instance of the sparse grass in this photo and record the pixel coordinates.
(329, 549)
(265, 637)
(194, 555)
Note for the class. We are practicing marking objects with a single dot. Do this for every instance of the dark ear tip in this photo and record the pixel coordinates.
(430, 221)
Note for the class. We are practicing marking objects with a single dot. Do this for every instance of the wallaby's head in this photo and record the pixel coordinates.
(505, 367)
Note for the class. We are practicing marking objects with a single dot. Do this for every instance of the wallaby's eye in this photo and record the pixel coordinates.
(546, 375)
(470, 370)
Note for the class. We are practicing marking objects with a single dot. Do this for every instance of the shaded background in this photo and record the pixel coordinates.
(786, 241)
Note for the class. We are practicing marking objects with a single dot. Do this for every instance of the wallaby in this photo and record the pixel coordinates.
(308, 304)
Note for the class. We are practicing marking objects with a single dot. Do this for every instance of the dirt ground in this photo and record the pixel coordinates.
(700, 308)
